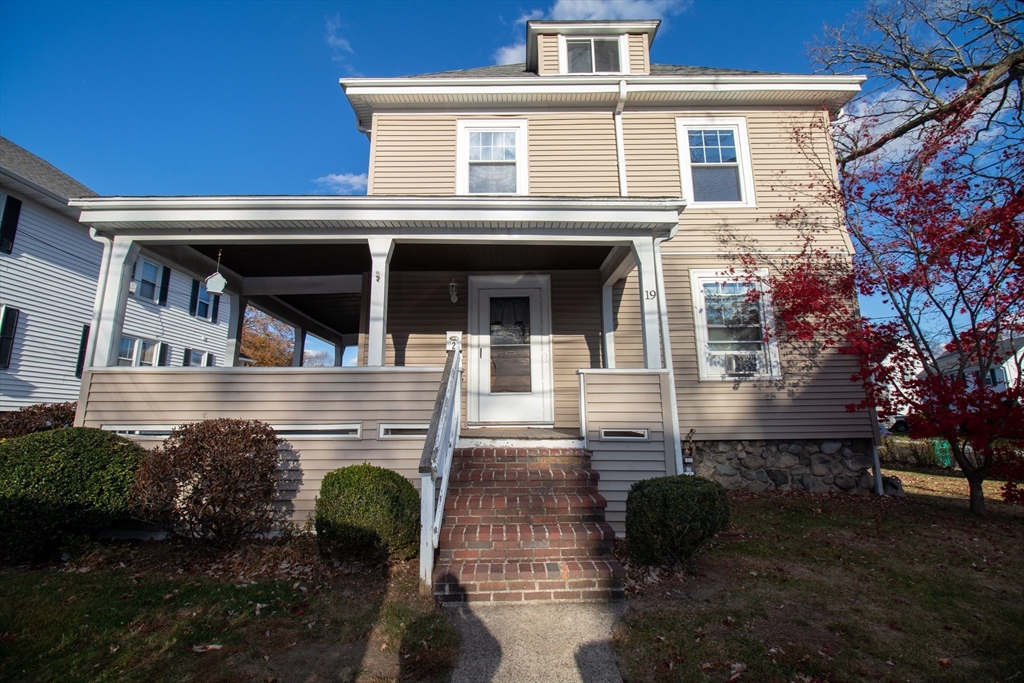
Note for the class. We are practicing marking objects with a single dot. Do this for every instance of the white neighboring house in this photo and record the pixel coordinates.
(49, 267)
(1005, 374)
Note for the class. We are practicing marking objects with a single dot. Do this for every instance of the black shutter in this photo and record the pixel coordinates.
(186, 359)
(8, 325)
(162, 358)
(80, 364)
(165, 281)
(9, 225)
(209, 360)
(216, 307)
(194, 301)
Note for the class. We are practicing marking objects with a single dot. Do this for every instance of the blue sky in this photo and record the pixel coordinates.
(207, 98)
(243, 98)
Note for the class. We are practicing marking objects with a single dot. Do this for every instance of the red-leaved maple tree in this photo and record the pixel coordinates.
(942, 242)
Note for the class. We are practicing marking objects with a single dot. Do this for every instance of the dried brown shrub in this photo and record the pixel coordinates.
(212, 481)
(41, 417)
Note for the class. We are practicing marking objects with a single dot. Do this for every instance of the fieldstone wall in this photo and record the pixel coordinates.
(811, 465)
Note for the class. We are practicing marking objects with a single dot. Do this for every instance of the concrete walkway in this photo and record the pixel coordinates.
(542, 643)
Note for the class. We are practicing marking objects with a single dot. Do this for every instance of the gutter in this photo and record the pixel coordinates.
(620, 150)
(666, 349)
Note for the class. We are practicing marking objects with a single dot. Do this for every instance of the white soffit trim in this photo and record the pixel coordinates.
(217, 215)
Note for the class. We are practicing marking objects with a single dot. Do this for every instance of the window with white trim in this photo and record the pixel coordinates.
(491, 157)
(135, 351)
(593, 55)
(735, 331)
(204, 303)
(714, 160)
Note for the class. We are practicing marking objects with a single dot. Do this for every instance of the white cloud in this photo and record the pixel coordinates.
(510, 54)
(343, 183)
(335, 41)
(584, 10)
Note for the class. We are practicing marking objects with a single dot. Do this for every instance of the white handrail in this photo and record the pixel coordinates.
(438, 450)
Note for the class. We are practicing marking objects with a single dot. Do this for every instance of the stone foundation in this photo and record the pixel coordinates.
(811, 465)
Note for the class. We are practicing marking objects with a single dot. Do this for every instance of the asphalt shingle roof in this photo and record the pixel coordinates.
(519, 71)
(21, 162)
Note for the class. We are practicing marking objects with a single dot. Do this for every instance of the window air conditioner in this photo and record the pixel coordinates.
(741, 364)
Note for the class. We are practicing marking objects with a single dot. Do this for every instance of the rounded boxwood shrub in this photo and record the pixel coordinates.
(364, 508)
(213, 481)
(670, 518)
(61, 486)
(37, 418)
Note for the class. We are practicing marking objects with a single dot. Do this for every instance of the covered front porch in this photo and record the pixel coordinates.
(531, 289)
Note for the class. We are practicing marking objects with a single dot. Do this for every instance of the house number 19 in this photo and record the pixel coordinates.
(650, 294)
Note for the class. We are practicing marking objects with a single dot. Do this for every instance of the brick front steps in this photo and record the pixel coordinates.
(525, 524)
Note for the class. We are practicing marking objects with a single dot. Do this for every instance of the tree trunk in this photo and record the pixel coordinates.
(977, 494)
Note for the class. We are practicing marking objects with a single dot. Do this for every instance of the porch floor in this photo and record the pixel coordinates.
(522, 433)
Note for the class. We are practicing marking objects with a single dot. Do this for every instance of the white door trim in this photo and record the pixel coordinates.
(541, 347)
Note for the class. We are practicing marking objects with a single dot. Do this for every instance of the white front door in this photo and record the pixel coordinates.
(509, 358)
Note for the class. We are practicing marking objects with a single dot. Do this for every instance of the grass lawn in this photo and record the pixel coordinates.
(272, 612)
(838, 587)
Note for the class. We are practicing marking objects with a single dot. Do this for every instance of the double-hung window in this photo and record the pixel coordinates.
(735, 328)
(491, 157)
(715, 162)
(147, 275)
(593, 55)
(203, 303)
(135, 351)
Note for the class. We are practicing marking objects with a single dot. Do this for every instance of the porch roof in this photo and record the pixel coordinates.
(291, 218)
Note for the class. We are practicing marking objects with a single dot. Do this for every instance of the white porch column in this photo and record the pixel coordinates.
(114, 298)
(381, 249)
(236, 322)
(643, 252)
(608, 324)
(298, 347)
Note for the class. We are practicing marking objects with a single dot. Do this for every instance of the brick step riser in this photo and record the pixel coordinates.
(538, 489)
(580, 475)
(524, 554)
(562, 594)
(489, 517)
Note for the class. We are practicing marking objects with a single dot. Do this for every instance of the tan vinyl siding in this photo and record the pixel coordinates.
(569, 154)
(573, 154)
(652, 155)
(629, 338)
(627, 400)
(420, 312)
(547, 55)
(807, 403)
(279, 396)
(413, 154)
(782, 173)
(638, 61)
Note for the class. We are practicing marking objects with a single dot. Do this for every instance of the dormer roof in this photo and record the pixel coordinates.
(583, 28)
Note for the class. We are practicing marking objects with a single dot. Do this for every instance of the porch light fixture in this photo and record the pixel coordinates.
(453, 291)
(216, 283)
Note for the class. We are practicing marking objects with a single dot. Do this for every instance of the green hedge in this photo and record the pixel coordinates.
(670, 518)
(58, 487)
(363, 508)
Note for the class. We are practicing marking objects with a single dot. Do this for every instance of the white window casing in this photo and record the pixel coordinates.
(146, 280)
(751, 357)
(737, 125)
(563, 53)
(140, 352)
(402, 431)
(467, 127)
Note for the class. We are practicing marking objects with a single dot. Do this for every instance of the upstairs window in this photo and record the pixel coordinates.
(593, 55)
(150, 281)
(715, 162)
(491, 157)
(732, 329)
(203, 304)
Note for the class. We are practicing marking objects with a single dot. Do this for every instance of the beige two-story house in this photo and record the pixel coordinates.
(568, 223)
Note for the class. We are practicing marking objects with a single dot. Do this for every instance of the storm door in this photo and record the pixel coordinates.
(509, 359)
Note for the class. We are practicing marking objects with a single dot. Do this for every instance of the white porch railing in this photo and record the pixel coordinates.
(437, 457)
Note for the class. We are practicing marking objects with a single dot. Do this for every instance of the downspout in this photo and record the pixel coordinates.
(101, 288)
(666, 348)
(620, 150)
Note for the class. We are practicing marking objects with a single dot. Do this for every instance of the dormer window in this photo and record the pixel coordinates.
(592, 55)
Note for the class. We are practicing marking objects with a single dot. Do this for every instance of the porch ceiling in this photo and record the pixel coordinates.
(497, 257)
(283, 260)
(338, 311)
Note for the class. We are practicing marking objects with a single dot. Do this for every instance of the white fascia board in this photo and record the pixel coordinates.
(589, 83)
